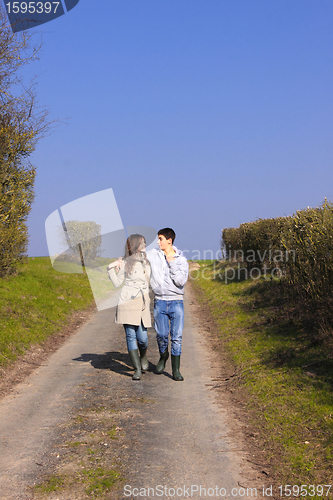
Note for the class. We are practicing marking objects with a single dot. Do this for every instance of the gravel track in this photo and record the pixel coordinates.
(170, 434)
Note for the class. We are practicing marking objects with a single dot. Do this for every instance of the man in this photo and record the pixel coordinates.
(169, 273)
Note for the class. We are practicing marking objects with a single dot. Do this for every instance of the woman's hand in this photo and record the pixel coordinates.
(117, 264)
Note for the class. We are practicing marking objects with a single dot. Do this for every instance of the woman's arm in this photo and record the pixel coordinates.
(117, 279)
(117, 263)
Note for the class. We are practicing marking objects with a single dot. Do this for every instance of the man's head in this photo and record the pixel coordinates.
(166, 237)
(168, 233)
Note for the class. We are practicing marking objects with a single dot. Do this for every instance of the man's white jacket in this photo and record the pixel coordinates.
(168, 278)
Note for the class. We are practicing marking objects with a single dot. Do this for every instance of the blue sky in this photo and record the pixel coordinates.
(199, 115)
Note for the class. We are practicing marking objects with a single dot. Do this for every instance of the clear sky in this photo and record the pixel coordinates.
(199, 114)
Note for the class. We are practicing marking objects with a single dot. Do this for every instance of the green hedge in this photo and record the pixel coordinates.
(299, 246)
(22, 123)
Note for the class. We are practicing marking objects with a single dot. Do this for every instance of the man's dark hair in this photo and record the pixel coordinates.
(168, 233)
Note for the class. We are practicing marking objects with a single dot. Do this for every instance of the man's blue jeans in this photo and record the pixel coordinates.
(169, 318)
(136, 336)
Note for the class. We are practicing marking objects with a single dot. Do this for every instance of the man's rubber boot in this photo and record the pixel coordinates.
(163, 359)
(175, 363)
(135, 360)
(143, 359)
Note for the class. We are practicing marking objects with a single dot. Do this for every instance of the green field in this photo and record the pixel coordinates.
(36, 303)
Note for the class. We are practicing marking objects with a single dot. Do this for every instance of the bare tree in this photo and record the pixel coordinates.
(83, 239)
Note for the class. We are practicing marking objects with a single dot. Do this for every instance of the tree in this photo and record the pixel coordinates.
(21, 125)
(83, 239)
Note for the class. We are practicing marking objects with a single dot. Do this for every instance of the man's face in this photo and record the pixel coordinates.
(163, 243)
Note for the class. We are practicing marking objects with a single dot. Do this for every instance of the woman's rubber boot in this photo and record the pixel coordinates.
(143, 359)
(163, 359)
(135, 360)
(175, 363)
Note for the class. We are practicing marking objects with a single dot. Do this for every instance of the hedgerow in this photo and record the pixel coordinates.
(21, 125)
(300, 248)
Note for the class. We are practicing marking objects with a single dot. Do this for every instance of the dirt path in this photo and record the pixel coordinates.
(81, 411)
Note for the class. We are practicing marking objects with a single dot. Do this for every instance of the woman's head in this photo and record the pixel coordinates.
(134, 244)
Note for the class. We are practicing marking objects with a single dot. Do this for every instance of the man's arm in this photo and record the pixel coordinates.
(179, 271)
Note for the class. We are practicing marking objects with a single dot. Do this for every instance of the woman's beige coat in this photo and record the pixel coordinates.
(134, 303)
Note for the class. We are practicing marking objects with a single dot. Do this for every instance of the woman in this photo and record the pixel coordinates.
(133, 309)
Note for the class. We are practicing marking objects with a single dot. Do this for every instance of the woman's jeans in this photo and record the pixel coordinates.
(169, 318)
(136, 336)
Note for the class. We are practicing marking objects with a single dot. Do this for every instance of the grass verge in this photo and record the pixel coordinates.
(36, 303)
(288, 378)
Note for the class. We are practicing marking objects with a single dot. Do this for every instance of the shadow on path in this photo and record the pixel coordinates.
(115, 361)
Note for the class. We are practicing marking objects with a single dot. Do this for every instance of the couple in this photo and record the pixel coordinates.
(167, 271)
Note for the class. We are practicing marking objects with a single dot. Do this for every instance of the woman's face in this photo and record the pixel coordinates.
(142, 246)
